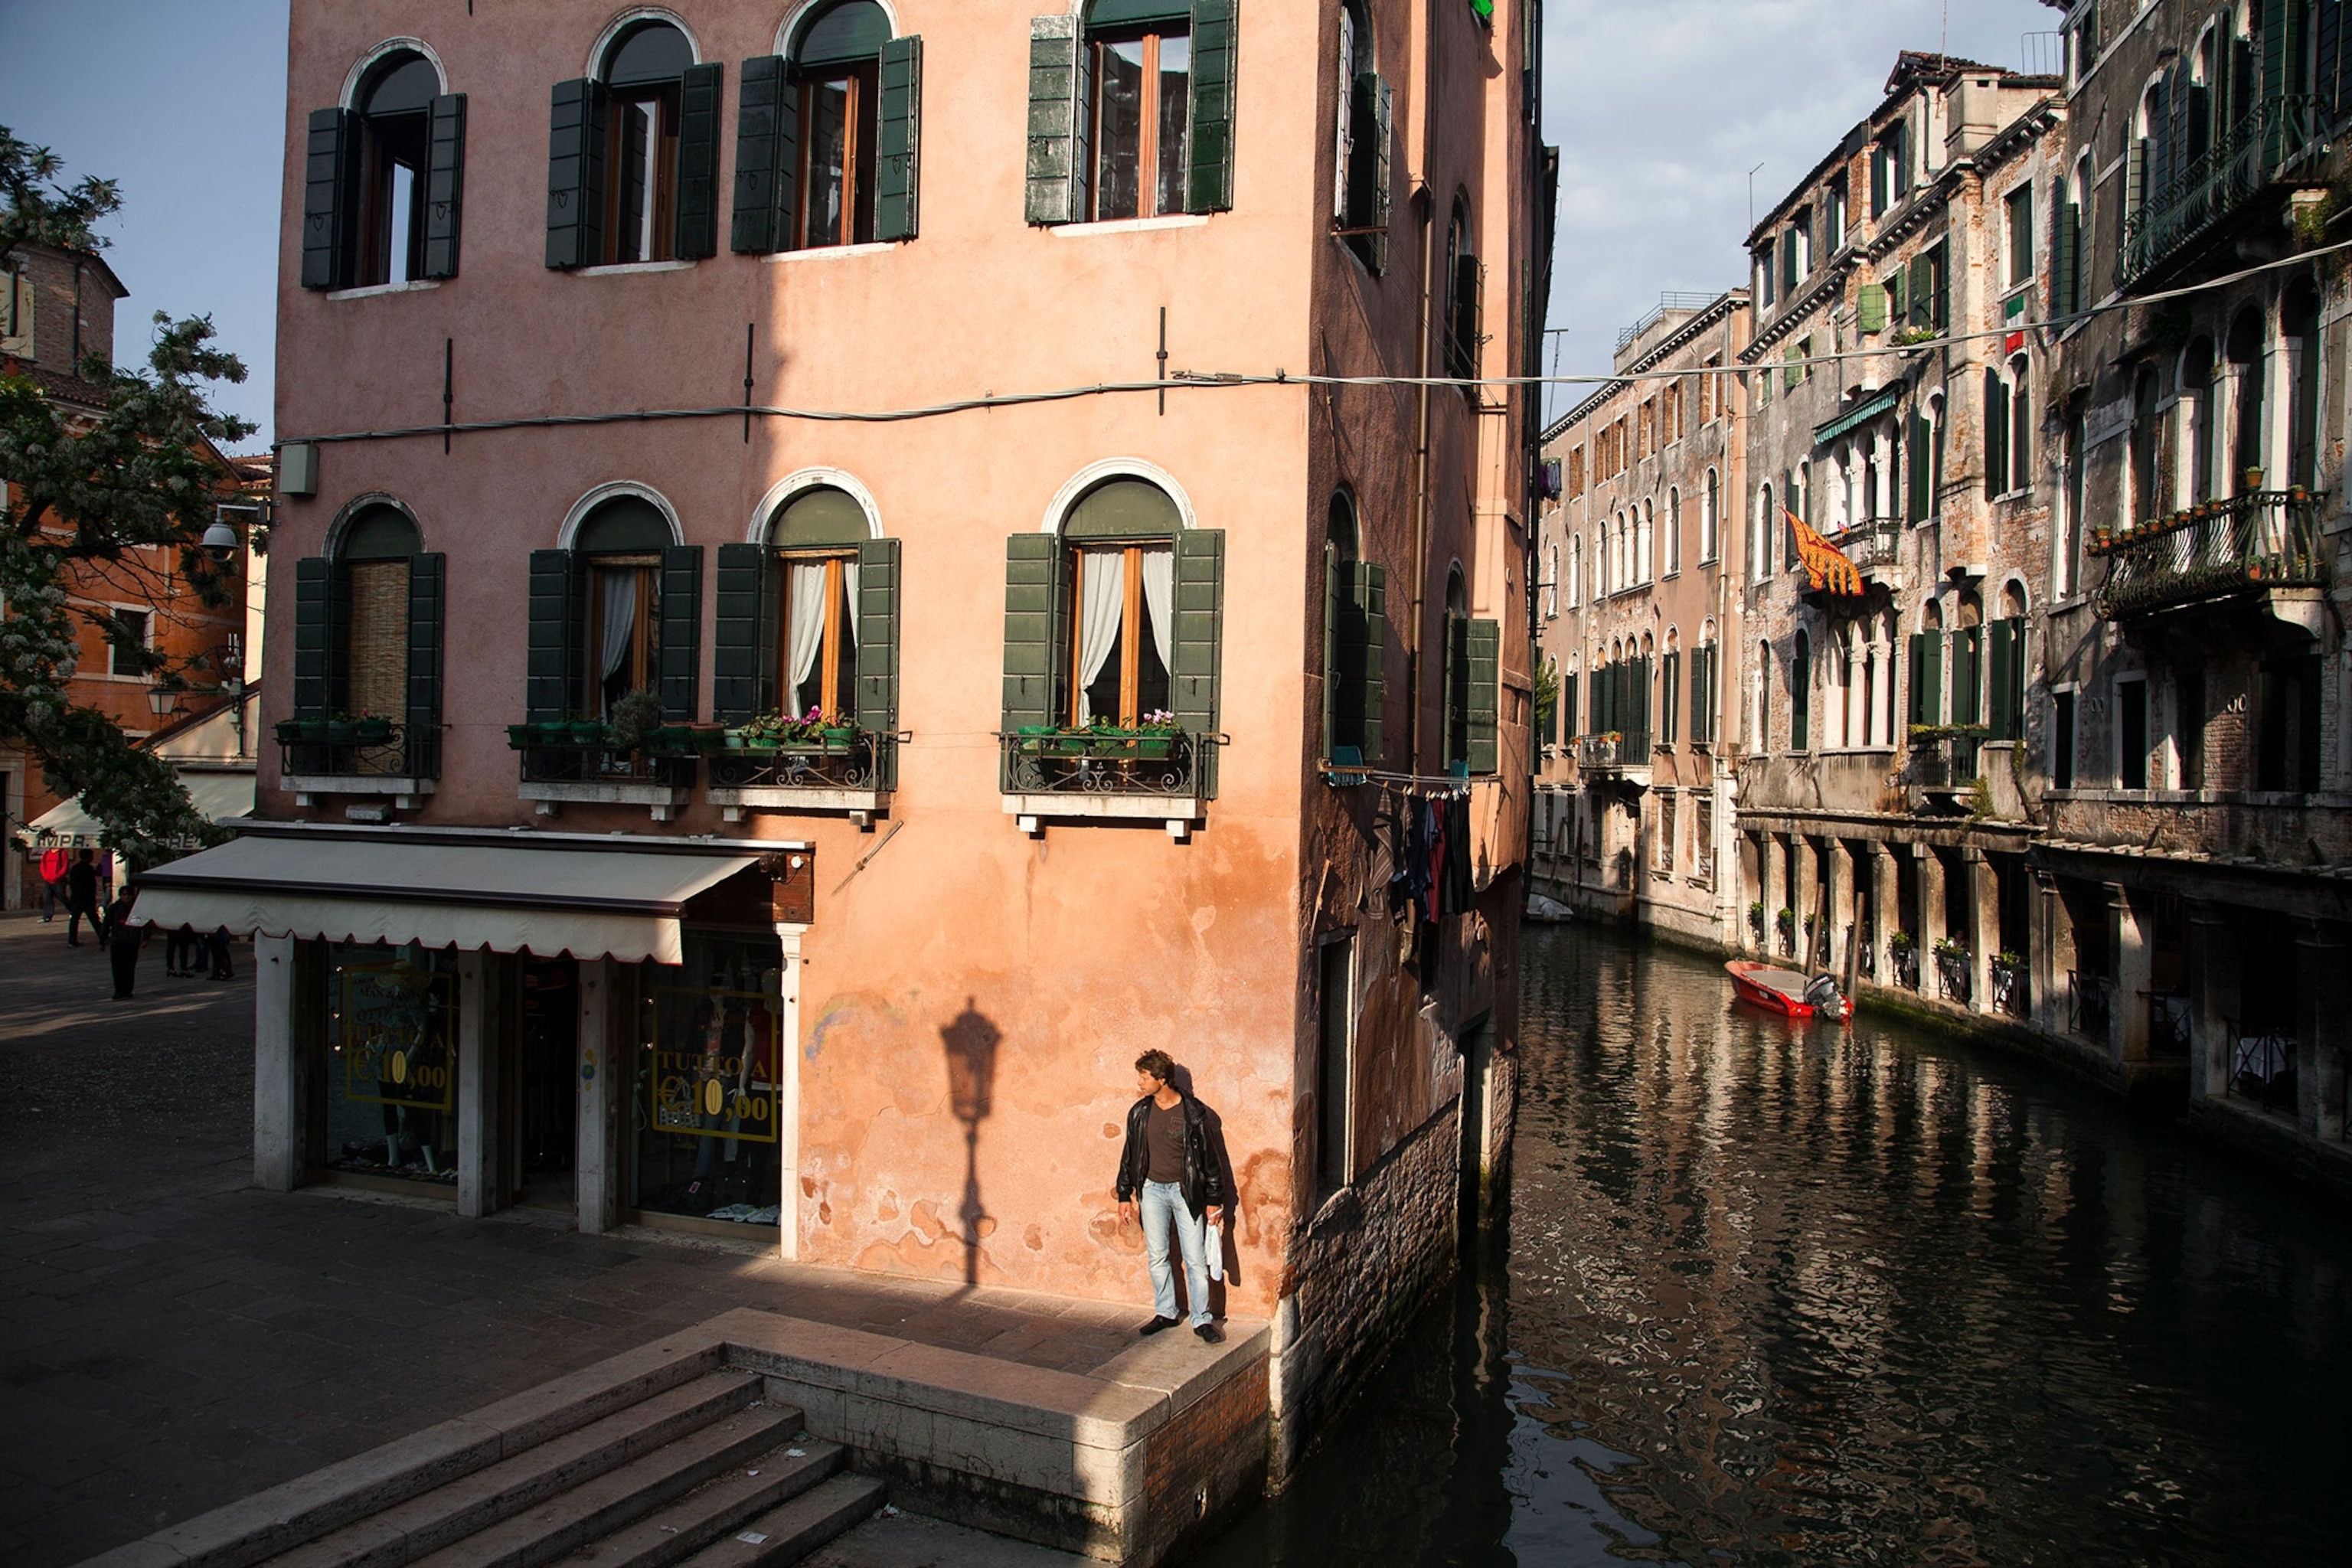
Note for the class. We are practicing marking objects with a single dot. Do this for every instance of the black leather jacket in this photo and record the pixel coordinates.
(1204, 1178)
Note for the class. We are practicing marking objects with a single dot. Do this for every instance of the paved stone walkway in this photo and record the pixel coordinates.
(172, 1340)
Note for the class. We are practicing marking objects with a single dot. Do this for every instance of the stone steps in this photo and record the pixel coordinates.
(643, 1465)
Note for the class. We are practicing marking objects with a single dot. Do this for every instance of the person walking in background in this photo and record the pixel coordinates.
(53, 882)
(180, 949)
(223, 969)
(81, 899)
(124, 941)
(1169, 1168)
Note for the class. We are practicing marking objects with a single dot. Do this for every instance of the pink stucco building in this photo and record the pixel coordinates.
(652, 377)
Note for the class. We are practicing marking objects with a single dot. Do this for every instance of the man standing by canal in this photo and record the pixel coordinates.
(1170, 1166)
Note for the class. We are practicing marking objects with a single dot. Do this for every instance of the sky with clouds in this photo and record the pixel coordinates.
(1659, 109)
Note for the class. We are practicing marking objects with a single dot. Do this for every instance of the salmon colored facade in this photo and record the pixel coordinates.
(973, 947)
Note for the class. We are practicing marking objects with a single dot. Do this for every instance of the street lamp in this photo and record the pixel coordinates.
(164, 699)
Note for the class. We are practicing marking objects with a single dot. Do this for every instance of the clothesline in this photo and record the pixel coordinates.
(1433, 785)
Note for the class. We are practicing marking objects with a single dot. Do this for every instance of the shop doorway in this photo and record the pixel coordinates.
(545, 1087)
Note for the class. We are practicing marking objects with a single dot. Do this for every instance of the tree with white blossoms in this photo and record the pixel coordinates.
(94, 489)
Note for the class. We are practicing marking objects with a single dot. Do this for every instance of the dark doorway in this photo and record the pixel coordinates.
(546, 1084)
(1477, 1060)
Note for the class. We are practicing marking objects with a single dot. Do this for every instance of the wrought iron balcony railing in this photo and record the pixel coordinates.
(596, 765)
(2274, 134)
(1945, 758)
(854, 763)
(2090, 1004)
(1873, 545)
(1614, 752)
(338, 750)
(2269, 539)
(1096, 762)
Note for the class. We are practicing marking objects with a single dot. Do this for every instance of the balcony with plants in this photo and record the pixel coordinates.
(1149, 765)
(2217, 552)
(632, 757)
(816, 761)
(356, 753)
(2278, 134)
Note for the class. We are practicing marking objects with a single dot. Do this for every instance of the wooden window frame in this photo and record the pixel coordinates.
(1131, 628)
(661, 174)
(859, 164)
(645, 674)
(1146, 157)
(830, 697)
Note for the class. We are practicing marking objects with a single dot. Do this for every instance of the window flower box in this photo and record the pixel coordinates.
(370, 731)
(296, 732)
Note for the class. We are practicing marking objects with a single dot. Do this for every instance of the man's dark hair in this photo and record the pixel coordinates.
(1159, 1064)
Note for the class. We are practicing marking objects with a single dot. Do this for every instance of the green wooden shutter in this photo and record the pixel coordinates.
(1057, 132)
(1996, 435)
(1932, 685)
(681, 633)
(1036, 617)
(897, 181)
(327, 199)
(1371, 173)
(1670, 693)
(575, 174)
(2066, 268)
(428, 621)
(1870, 308)
(556, 655)
(741, 628)
(1485, 675)
(2000, 654)
(877, 649)
(1199, 642)
(1922, 500)
(1334, 667)
(1371, 597)
(1210, 185)
(1921, 289)
(1801, 699)
(698, 160)
(445, 184)
(1967, 676)
(313, 637)
(752, 229)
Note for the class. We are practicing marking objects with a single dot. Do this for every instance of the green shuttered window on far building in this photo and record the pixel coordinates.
(368, 634)
(602, 622)
(1355, 659)
(828, 146)
(632, 154)
(1473, 735)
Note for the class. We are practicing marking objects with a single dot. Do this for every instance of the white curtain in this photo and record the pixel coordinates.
(1102, 605)
(1159, 604)
(849, 587)
(620, 619)
(806, 610)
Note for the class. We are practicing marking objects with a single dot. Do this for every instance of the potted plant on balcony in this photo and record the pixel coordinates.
(636, 716)
(1756, 921)
(2252, 477)
(342, 730)
(294, 731)
(522, 737)
(1785, 923)
(1155, 736)
(2008, 980)
(369, 730)
(585, 730)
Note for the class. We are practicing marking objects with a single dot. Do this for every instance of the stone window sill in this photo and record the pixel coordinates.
(1178, 812)
(831, 252)
(414, 286)
(620, 268)
(1131, 225)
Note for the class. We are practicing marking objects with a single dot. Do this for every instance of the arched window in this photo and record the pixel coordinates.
(1122, 535)
(1674, 531)
(368, 637)
(1705, 683)
(835, 92)
(1845, 678)
(1551, 585)
(644, 78)
(815, 538)
(2196, 390)
(1760, 543)
(622, 543)
(1575, 570)
(2146, 498)
(1465, 277)
(382, 179)
(1710, 527)
(1670, 688)
(1644, 544)
(1760, 735)
(395, 127)
(1356, 641)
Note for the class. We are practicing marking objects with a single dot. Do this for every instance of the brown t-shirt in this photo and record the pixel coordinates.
(1164, 1135)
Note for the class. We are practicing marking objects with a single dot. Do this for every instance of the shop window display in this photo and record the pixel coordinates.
(392, 1063)
(708, 1106)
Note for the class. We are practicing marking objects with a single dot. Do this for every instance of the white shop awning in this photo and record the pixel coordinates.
(221, 796)
(471, 895)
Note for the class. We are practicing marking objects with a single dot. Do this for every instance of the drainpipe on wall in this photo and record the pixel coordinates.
(1426, 204)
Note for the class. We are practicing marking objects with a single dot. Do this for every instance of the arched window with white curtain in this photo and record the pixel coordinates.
(1710, 527)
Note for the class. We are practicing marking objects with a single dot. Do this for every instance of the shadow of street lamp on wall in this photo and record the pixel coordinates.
(971, 1041)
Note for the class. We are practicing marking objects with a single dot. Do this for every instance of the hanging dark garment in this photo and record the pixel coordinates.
(1460, 889)
(1433, 817)
(1410, 883)
(1387, 842)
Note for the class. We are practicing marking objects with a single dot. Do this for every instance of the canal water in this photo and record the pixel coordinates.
(1773, 1293)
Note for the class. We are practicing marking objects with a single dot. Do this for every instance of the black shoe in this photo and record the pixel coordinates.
(1157, 1324)
(73, 942)
(1211, 1334)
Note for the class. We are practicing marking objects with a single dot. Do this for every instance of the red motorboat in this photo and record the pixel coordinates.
(1785, 991)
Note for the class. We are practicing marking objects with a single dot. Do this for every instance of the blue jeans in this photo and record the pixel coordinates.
(1164, 1209)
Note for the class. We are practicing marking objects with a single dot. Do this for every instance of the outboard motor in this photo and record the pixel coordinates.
(1825, 997)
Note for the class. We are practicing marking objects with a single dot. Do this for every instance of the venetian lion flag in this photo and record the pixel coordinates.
(1826, 566)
